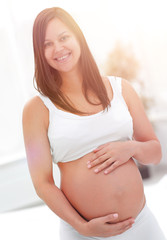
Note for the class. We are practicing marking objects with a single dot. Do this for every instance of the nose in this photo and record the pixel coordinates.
(58, 46)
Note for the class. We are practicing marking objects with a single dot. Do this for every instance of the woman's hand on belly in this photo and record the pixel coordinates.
(105, 226)
(110, 155)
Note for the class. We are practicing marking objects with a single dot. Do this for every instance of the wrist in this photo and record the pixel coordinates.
(82, 228)
(134, 148)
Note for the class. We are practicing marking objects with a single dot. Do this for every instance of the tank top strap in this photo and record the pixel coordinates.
(48, 103)
(116, 84)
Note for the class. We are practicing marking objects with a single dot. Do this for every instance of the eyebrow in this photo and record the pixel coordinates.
(58, 36)
(62, 33)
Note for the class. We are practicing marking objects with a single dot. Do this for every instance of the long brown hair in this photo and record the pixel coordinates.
(48, 80)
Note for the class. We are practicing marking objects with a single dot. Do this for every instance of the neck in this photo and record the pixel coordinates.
(72, 82)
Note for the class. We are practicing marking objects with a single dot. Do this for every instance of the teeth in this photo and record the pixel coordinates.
(61, 58)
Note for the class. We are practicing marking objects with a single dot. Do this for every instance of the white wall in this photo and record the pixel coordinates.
(141, 24)
(16, 188)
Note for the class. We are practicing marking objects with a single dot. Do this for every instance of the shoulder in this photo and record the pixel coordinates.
(106, 79)
(124, 86)
(112, 79)
(131, 97)
(113, 82)
(35, 111)
(129, 92)
(35, 104)
(109, 80)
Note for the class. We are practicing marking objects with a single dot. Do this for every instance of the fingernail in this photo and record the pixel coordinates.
(88, 162)
(105, 171)
(96, 170)
(89, 166)
(115, 215)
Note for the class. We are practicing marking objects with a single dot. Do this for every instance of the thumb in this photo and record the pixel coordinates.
(110, 218)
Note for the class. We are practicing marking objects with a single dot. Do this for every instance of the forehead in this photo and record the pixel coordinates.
(55, 27)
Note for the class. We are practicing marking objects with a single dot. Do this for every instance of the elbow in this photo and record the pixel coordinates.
(40, 189)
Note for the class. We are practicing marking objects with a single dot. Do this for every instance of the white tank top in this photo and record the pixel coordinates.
(72, 136)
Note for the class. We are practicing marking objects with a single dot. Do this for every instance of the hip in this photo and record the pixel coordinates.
(145, 227)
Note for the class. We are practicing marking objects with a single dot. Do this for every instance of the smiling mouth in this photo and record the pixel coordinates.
(63, 58)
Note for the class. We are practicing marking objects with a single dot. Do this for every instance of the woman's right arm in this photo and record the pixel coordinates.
(35, 125)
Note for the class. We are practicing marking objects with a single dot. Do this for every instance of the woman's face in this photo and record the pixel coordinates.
(61, 48)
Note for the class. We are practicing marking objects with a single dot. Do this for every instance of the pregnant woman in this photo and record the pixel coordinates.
(92, 127)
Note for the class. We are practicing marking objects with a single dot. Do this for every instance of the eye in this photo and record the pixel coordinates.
(47, 44)
(64, 38)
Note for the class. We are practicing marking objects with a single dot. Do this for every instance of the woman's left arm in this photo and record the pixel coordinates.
(144, 147)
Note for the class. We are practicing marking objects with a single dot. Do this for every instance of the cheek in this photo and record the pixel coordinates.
(77, 49)
(75, 46)
(48, 54)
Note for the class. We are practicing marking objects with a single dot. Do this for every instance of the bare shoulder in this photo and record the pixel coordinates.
(127, 88)
(35, 132)
(35, 104)
(130, 95)
(143, 130)
(35, 110)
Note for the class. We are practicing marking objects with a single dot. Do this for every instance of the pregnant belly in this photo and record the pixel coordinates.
(94, 195)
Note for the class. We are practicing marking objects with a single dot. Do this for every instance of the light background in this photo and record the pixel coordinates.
(139, 24)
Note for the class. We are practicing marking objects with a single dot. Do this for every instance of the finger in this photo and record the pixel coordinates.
(125, 229)
(96, 156)
(112, 167)
(99, 160)
(96, 150)
(121, 227)
(109, 218)
(99, 153)
(100, 147)
(125, 224)
(105, 165)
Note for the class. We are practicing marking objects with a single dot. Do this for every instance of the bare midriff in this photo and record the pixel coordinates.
(96, 194)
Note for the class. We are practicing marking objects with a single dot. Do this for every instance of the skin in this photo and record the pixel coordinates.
(145, 148)
(62, 52)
